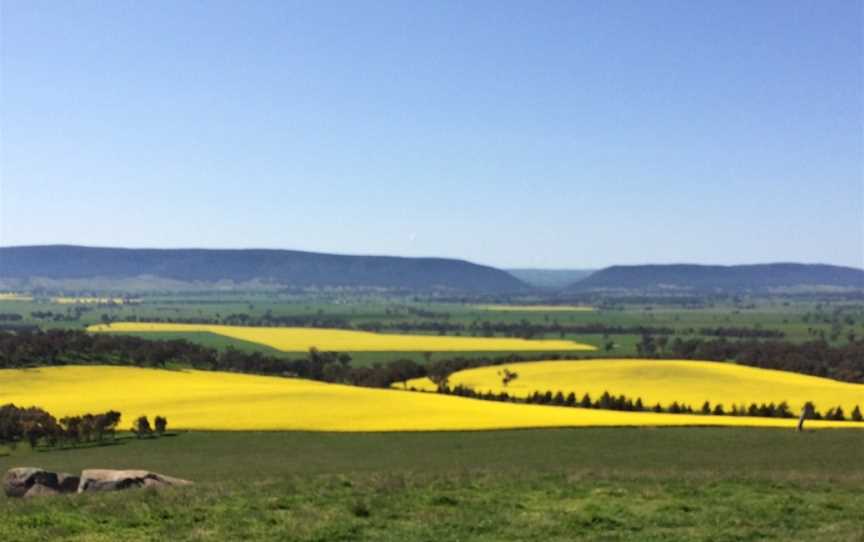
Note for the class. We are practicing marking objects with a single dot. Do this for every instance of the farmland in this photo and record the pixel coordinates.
(299, 459)
(673, 484)
(64, 300)
(535, 308)
(290, 339)
(615, 329)
(661, 381)
(224, 401)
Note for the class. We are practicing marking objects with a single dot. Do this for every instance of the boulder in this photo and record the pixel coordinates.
(38, 490)
(33, 481)
(113, 480)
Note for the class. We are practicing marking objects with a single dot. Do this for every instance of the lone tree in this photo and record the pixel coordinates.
(160, 423)
(807, 412)
(507, 376)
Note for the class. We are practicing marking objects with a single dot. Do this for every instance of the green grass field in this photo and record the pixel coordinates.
(584, 484)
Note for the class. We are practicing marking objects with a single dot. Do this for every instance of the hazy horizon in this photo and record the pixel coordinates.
(516, 135)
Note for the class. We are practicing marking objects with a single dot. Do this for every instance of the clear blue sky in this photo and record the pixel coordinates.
(533, 134)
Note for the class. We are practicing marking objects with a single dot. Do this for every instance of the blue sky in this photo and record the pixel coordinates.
(529, 134)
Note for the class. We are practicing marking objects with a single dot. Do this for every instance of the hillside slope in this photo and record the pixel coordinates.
(662, 381)
(231, 402)
(29, 264)
(716, 277)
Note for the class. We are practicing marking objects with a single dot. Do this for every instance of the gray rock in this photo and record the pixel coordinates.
(33, 481)
(113, 480)
(38, 490)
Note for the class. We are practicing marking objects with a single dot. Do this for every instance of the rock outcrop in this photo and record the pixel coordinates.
(113, 480)
(33, 481)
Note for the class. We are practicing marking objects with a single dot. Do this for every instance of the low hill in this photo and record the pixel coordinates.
(759, 277)
(88, 267)
(550, 278)
(229, 402)
(662, 381)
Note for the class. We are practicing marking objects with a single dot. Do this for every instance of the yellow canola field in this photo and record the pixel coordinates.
(535, 308)
(300, 339)
(93, 300)
(663, 381)
(10, 296)
(228, 401)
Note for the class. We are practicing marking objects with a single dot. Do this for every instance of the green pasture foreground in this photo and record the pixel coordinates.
(566, 484)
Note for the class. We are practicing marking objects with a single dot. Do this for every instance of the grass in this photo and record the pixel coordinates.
(577, 484)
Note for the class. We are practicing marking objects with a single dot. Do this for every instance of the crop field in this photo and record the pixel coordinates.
(93, 300)
(12, 296)
(662, 381)
(795, 320)
(229, 401)
(294, 339)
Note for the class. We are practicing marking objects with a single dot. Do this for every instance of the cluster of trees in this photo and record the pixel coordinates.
(818, 358)
(522, 329)
(243, 319)
(741, 332)
(73, 314)
(142, 428)
(608, 401)
(10, 317)
(35, 425)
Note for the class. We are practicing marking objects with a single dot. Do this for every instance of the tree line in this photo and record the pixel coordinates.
(76, 347)
(479, 328)
(608, 401)
(37, 426)
(818, 358)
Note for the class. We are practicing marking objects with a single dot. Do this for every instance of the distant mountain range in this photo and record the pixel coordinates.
(705, 278)
(69, 267)
(90, 268)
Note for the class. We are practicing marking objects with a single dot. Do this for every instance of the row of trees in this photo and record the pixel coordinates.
(608, 401)
(35, 425)
(62, 347)
(819, 358)
(438, 323)
(243, 319)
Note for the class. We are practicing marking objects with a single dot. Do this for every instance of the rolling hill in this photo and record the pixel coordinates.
(89, 267)
(199, 400)
(689, 277)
